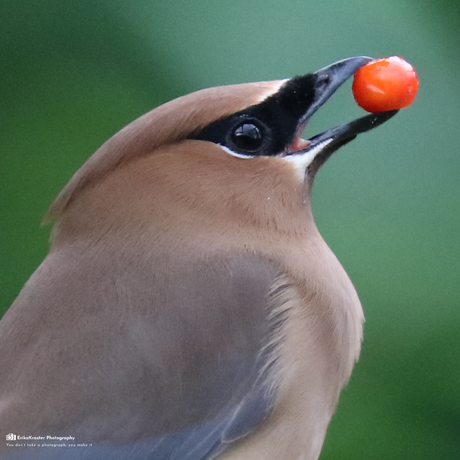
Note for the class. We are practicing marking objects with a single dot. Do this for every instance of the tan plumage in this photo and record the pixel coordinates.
(168, 123)
(187, 297)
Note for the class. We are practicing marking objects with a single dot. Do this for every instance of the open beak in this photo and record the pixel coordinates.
(327, 81)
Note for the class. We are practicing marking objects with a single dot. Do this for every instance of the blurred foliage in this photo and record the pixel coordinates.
(75, 72)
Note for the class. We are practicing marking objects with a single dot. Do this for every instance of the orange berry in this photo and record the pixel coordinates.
(385, 84)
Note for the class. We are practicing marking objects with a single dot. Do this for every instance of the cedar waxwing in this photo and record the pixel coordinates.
(188, 308)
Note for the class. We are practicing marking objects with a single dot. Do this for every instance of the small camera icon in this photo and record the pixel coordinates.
(11, 437)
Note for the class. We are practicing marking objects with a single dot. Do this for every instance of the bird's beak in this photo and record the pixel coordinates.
(327, 81)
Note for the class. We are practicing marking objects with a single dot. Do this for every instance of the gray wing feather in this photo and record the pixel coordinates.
(169, 356)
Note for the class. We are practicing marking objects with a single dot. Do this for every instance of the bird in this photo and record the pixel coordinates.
(188, 308)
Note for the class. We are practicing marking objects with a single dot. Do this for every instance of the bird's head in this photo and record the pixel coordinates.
(222, 145)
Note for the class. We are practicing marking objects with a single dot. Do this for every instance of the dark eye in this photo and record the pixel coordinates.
(247, 136)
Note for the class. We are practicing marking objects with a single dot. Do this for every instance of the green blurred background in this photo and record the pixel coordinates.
(74, 72)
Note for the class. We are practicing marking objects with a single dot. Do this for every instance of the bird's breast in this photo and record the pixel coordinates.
(317, 345)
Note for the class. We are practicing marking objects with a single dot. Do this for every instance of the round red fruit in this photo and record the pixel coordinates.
(385, 84)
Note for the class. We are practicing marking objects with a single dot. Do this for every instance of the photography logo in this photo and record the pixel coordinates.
(11, 437)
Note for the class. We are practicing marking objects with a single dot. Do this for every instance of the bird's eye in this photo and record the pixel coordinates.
(247, 137)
